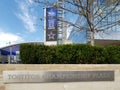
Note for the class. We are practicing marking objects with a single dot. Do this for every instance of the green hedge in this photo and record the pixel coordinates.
(69, 54)
(113, 54)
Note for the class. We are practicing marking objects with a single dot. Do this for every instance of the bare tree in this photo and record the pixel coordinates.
(94, 12)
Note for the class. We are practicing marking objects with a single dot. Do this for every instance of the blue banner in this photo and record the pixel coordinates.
(51, 24)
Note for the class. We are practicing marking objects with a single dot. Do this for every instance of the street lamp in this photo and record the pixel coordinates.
(0, 56)
(10, 54)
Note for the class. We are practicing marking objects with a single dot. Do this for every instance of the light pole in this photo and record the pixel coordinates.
(10, 54)
(0, 56)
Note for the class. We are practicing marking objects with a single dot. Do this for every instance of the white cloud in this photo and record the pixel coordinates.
(30, 1)
(5, 38)
(27, 15)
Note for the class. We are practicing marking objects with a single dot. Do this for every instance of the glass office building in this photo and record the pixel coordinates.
(79, 36)
(110, 24)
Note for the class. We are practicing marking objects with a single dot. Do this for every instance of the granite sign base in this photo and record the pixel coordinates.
(60, 77)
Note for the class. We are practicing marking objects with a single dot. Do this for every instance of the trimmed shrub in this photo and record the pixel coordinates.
(99, 55)
(64, 54)
(113, 54)
(69, 54)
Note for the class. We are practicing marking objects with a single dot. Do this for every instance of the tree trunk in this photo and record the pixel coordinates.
(91, 24)
(92, 42)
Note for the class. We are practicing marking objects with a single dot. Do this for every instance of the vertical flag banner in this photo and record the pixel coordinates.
(51, 24)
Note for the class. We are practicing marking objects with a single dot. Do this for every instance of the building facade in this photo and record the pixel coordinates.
(11, 54)
(108, 27)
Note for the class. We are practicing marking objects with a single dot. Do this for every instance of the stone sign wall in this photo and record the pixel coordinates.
(56, 76)
(60, 77)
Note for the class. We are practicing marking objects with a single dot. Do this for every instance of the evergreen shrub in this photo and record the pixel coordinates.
(69, 54)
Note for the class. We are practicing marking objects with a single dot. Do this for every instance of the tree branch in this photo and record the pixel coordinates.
(75, 25)
(107, 14)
